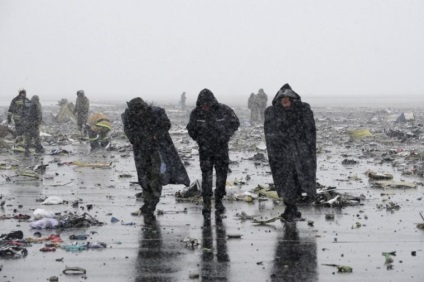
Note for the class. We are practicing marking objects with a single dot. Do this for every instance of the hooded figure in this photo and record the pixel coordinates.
(17, 109)
(211, 125)
(155, 155)
(82, 105)
(33, 119)
(290, 136)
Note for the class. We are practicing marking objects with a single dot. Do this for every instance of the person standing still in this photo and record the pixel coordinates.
(290, 135)
(262, 101)
(183, 101)
(211, 125)
(82, 106)
(17, 109)
(251, 106)
(33, 119)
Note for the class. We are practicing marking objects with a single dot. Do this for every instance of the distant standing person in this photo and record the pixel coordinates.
(82, 106)
(98, 127)
(17, 109)
(251, 106)
(211, 125)
(183, 101)
(33, 119)
(290, 135)
(155, 155)
(262, 101)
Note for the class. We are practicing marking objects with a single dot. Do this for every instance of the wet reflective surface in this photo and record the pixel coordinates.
(154, 250)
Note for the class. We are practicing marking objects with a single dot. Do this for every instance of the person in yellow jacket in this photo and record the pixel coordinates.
(98, 127)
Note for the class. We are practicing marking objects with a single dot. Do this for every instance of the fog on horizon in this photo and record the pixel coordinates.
(115, 51)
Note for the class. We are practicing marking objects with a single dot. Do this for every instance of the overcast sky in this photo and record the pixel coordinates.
(116, 50)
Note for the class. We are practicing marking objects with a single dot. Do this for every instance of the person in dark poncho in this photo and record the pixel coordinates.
(290, 135)
(33, 119)
(156, 158)
(211, 125)
(82, 106)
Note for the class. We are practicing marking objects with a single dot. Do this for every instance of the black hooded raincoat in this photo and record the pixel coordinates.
(149, 135)
(212, 130)
(291, 143)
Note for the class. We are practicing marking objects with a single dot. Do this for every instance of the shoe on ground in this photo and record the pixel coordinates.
(219, 207)
(288, 216)
(297, 214)
(291, 214)
(206, 208)
(137, 213)
(142, 211)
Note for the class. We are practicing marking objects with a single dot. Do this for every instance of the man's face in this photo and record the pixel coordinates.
(286, 102)
(205, 107)
(138, 112)
(22, 95)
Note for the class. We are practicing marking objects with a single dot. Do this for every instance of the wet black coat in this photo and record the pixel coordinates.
(17, 108)
(33, 117)
(212, 129)
(150, 134)
(291, 143)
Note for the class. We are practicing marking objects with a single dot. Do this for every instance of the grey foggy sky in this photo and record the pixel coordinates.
(116, 50)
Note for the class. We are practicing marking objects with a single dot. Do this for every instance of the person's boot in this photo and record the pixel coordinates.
(146, 209)
(207, 207)
(288, 214)
(297, 214)
(219, 207)
(39, 149)
(291, 214)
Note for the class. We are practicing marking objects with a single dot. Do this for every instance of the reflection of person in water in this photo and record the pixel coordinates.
(156, 260)
(212, 269)
(295, 258)
(149, 255)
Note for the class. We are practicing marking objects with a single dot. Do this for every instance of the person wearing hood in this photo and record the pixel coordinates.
(33, 119)
(82, 106)
(156, 158)
(290, 135)
(17, 109)
(211, 125)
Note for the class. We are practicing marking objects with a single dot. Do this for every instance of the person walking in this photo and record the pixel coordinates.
(82, 106)
(290, 135)
(211, 125)
(156, 158)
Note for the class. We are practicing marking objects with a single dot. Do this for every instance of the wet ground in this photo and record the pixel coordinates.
(154, 250)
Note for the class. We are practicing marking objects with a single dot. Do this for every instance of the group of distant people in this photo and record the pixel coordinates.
(257, 104)
(27, 116)
(290, 135)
